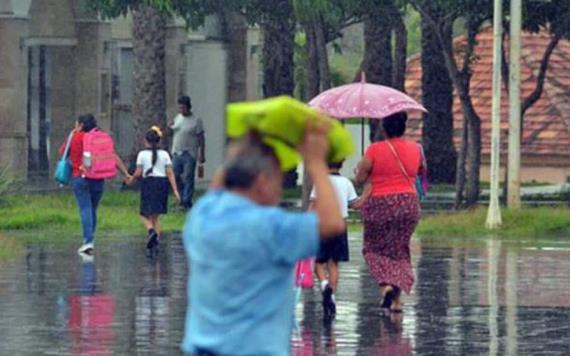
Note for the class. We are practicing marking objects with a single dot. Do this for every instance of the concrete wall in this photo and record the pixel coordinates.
(52, 18)
(13, 98)
(207, 85)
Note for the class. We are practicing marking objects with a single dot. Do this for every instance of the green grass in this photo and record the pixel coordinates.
(525, 223)
(54, 217)
(56, 214)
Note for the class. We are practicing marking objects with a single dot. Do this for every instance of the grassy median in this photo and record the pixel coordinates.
(526, 223)
(47, 215)
(54, 216)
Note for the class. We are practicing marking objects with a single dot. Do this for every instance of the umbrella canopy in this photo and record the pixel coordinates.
(282, 121)
(358, 100)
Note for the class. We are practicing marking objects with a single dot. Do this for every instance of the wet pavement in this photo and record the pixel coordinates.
(491, 298)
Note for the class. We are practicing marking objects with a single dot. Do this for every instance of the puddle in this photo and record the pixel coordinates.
(491, 299)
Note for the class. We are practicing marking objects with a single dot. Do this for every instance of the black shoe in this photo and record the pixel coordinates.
(329, 307)
(152, 240)
(389, 298)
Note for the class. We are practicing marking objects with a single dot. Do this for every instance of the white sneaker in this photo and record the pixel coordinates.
(86, 248)
(86, 258)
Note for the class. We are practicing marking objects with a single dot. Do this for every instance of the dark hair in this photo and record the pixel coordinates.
(249, 158)
(335, 165)
(153, 139)
(88, 121)
(395, 124)
(185, 100)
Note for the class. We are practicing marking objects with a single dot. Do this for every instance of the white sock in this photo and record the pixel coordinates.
(333, 298)
(324, 284)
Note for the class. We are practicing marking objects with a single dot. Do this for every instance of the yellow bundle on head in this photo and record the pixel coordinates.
(282, 122)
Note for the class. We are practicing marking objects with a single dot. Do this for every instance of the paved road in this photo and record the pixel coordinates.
(489, 298)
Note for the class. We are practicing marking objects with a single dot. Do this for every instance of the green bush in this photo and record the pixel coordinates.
(7, 184)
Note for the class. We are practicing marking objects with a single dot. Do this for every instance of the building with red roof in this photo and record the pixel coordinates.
(546, 132)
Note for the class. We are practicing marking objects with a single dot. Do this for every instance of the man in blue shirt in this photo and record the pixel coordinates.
(242, 250)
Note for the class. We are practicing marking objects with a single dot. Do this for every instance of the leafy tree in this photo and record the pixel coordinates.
(149, 41)
(553, 17)
(437, 97)
(473, 13)
(385, 46)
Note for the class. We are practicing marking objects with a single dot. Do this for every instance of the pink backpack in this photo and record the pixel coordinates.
(99, 155)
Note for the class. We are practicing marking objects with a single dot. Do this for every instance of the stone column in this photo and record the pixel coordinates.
(93, 70)
(176, 41)
(13, 94)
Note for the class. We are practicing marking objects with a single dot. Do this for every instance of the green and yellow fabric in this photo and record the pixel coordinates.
(281, 121)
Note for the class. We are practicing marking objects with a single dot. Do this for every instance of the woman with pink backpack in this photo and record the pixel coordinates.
(93, 159)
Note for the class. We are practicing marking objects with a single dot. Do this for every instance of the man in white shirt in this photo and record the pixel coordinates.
(188, 147)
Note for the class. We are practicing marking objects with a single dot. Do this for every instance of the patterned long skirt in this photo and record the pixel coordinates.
(389, 222)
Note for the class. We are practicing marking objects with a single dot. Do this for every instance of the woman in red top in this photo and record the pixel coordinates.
(88, 192)
(392, 212)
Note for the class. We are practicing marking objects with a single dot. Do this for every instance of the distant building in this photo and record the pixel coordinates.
(546, 132)
(59, 60)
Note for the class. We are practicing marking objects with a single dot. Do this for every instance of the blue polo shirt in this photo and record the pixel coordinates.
(241, 259)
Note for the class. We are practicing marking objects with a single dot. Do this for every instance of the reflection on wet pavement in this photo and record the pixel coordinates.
(495, 299)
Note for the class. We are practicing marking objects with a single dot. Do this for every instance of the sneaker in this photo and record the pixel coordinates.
(87, 258)
(329, 307)
(152, 240)
(86, 248)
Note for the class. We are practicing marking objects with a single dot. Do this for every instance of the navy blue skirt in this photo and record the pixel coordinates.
(335, 249)
(154, 196)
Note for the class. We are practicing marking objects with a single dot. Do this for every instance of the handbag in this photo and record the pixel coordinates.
(419, 185)
(63, 167)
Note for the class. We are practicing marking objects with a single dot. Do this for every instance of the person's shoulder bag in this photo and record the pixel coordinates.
(417, 185)
(63, 167)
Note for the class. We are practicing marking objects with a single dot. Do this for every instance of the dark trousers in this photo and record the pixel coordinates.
(184, 166)
(88, 193)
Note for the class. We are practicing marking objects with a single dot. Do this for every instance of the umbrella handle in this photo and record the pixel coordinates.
(362, 134)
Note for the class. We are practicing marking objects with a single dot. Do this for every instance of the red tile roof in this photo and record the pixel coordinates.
(547, 124)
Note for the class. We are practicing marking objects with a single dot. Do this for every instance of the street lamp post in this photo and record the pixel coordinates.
(494, 213)
(514, 164)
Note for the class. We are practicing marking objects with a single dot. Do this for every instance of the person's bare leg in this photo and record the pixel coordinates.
(156, 224)
(384, 290)
(147, 221)
(321, 272)
(397, 303)
(333, 274)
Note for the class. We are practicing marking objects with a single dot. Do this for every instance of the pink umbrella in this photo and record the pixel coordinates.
(364, 100)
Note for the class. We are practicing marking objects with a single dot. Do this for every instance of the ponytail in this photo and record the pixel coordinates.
(153, 138)
(154, 148)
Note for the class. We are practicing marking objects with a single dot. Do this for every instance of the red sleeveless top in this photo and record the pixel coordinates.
(386, 175)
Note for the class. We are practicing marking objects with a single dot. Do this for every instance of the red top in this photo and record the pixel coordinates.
(386, 175)
(75, 153)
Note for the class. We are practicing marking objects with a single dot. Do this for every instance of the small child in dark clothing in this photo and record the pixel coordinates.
(335, 250)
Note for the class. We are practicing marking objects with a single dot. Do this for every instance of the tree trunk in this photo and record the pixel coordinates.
(377, 61)
(278, 51)
(400, 51)
(234, 28)
(323, 57)
(313, 74)
(314, 79)
(473, 160)
(460, 169)
(278, 60)
(437, 97)
(149, 99)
